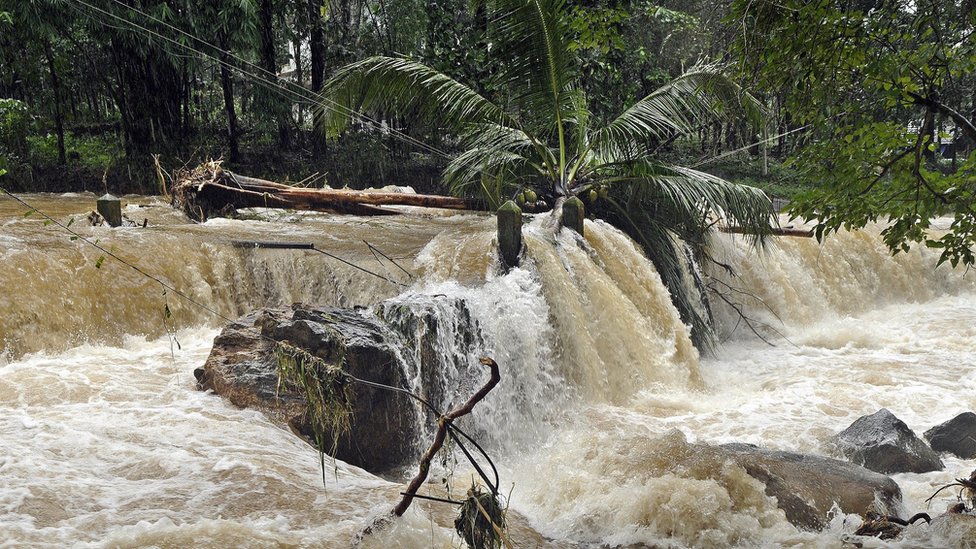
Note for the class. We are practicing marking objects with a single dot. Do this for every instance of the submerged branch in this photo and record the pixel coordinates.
(443, 423)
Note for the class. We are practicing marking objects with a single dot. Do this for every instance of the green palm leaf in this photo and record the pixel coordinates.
(691, 196)
(533, 41)
(673, 256)
(391, 86)
(493, 150)
(701, 94)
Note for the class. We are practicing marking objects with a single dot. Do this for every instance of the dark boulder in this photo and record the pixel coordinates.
(956, 436)
(806, 487)
(242, 367)
(883, 443)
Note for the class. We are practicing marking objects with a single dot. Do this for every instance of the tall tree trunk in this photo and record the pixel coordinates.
(185, 100)
(299, 77)
(276, 106)
(227, 83)
(56, 88)
(317, 47)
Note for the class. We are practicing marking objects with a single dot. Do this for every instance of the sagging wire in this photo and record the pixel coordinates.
(169, 288)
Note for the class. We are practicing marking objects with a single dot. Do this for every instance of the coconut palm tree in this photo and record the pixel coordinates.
(538, 134)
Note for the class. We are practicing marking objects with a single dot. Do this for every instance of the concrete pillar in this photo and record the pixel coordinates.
(573, 214)
(110, 208)
(510, 233)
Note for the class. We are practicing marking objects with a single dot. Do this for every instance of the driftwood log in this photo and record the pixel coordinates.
(209, 190)
(774, 231)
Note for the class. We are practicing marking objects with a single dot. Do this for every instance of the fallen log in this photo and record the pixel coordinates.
(788, 231)
(209, 190)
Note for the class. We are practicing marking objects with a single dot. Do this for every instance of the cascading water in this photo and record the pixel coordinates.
(108, 444)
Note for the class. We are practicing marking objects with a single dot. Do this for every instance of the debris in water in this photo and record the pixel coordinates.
(481, 520)
(967, 494)
(327, 391)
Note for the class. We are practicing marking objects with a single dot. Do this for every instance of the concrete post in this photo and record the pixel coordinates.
(510, 233)
(110, 208)
(573, 214)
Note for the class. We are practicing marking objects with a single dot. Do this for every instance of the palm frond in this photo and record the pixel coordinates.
(701, 94)
(532, 38)
(673, 258)
(392, 86)
(687, 201)
(578, 120)
(492, 150)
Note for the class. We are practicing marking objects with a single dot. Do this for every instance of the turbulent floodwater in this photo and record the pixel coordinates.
(106, 442)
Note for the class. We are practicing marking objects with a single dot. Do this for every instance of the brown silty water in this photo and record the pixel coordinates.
(107, 443)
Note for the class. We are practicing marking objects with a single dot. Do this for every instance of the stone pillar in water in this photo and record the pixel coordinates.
(573, 214)
(110, 208)
(510, 233)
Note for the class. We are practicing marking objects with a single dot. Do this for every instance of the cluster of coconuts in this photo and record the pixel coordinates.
(597, 192)
(529, 198)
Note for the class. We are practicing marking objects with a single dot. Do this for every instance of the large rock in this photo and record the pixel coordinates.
(956, 436)
(242, 367)
(883, 443)
(806, 487)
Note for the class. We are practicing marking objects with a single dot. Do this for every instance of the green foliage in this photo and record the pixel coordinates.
(628, 48)
(597, 28)
(98, 152)
(15, 125)
(881, 88)
(781, 181)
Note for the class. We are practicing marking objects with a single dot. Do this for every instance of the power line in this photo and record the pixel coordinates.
(453, 430)
(272, 83)
(308, 97)
(747, 147)
(168, 287)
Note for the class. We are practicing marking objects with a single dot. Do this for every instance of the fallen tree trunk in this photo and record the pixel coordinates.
(209, 190)
(773, 231)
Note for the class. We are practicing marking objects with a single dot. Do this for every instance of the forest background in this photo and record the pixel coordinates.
(871, 104)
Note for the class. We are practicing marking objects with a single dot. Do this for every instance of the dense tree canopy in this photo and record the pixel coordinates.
(888, 92)
(99, 85)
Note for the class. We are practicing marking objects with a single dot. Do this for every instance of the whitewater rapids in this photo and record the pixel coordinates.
(107, 443)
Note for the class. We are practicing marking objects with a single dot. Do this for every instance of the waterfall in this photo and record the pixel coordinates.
(797, 282)
(579, 321)
(602, 392)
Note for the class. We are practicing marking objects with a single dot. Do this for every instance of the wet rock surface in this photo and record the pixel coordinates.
(242, 368)
(883, 443)
(806, 487)
(956, 436)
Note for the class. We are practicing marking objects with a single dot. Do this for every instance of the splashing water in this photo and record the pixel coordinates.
(108, 444)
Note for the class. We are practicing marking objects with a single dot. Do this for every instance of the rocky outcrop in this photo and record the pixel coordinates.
(806, 487)
(956, 436)
(242, 367)
(883, 443)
